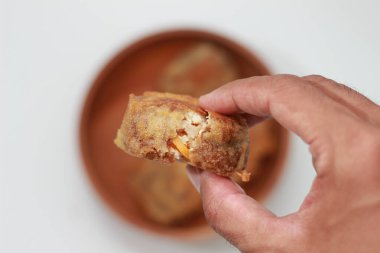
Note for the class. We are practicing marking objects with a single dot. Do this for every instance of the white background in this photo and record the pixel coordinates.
(52, 50)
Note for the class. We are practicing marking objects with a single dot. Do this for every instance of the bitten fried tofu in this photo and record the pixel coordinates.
(169, 127)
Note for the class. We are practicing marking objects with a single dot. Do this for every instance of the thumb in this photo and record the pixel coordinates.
(237, 217)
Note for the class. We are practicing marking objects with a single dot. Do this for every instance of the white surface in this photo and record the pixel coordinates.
(51, 50)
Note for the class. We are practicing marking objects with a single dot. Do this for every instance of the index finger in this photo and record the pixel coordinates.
(290, 100)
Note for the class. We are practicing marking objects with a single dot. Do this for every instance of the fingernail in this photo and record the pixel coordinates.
(238, 186)
(194, 175)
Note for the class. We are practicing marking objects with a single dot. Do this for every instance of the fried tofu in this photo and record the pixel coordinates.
(168, 127)
(198, 70)
(164, 193)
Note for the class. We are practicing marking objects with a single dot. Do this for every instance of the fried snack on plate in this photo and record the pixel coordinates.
(168, 127)
(198, 70)
(164, 193)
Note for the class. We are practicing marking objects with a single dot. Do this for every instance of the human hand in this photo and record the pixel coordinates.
(341, 213)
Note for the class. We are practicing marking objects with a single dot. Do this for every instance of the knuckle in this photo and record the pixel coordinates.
(291, 89)
(364, 173)
(285, 90)
(371, 143)
(321, 81)
(365, 150)
(368, 139)
(282, 81)
(287, 78)
(315, 78)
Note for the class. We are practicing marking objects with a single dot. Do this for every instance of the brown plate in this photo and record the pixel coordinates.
(136, 69)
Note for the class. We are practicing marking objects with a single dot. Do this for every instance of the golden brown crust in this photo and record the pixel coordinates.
(222, 147)
(154, 120)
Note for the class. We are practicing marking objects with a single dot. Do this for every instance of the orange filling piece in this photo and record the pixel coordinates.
(181, 147)
(244, 175)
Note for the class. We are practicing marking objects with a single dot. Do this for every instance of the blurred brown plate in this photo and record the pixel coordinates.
(138, 68)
